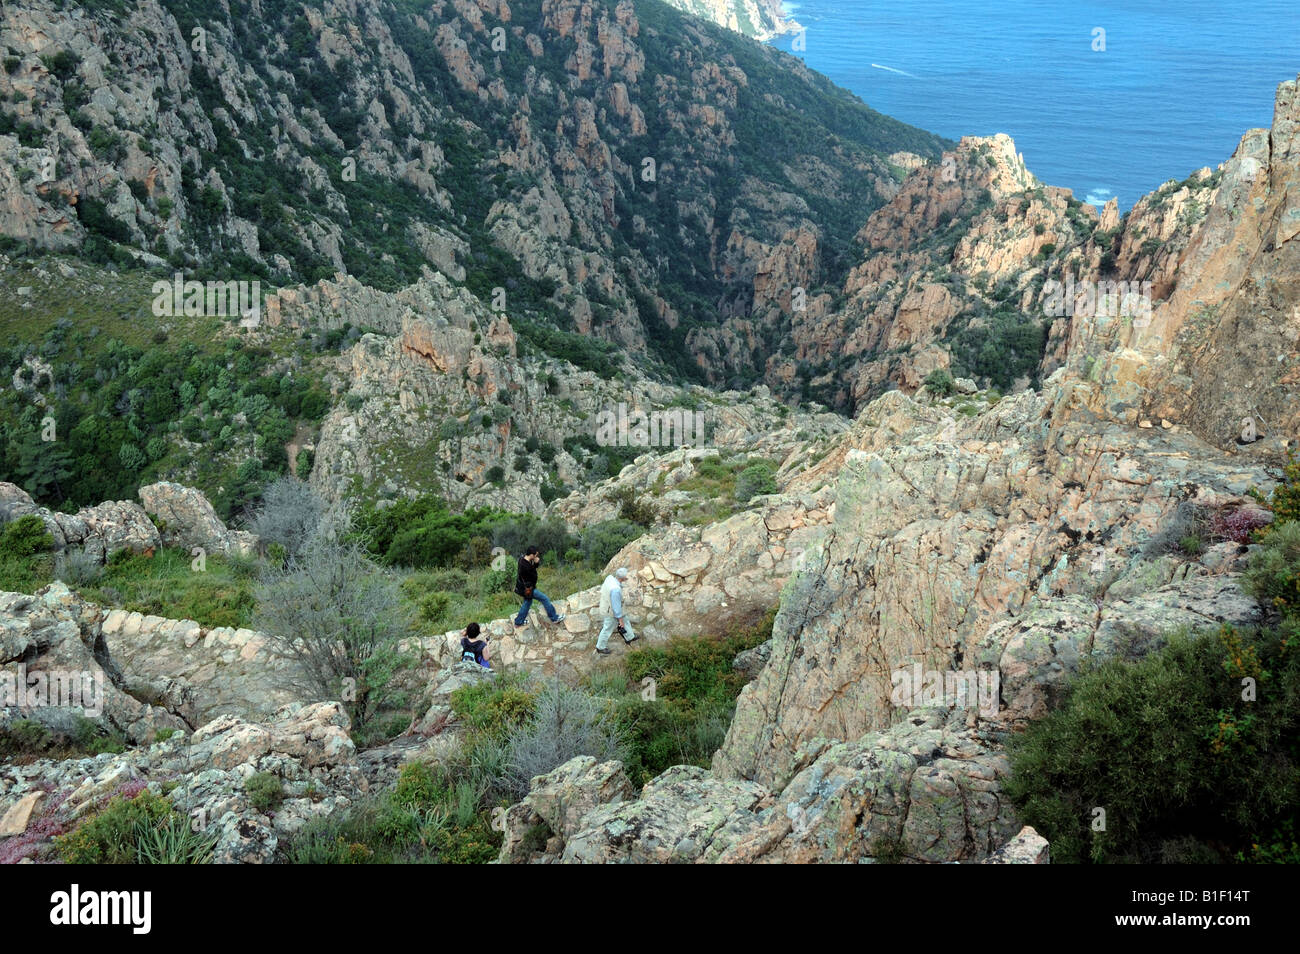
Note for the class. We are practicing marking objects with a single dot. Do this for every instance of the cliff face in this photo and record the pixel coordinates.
(762, 19)
(1015, 541)
(963, 270)
(613, 170)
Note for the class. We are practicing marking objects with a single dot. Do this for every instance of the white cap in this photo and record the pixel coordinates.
(621, 573)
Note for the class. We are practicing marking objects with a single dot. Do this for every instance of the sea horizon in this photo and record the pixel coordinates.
(1107, 99)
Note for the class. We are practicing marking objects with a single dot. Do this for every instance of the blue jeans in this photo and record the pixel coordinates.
(528, 604)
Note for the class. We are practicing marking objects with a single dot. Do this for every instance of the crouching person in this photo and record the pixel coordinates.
(474, 649)
(611, 607)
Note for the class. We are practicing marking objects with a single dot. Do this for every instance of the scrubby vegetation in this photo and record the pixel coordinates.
(135, 828)
(118, 415)
(517, 726)
(1191, 754)
(24, 740)
(723, 485)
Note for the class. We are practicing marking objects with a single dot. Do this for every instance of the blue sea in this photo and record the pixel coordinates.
(1174, 88)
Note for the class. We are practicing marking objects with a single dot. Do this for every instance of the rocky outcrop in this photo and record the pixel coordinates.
(761, 19)
(442, 396)
(187, 518)
(101, 530)
(188, 521)
(925, 790)
(1221, 350)
(1027, 848)
(203, 775)
(153, 673)
(50, 641)
(557, 803)
(197, 672)
(938, 541)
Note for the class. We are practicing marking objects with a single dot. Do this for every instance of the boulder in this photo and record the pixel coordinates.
(305, 746)
(188, 521)
(1027, 848)
(556, 804)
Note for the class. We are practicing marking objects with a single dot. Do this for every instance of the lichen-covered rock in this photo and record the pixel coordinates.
(190, 522)
(750, 662)
(1027, 848)
(306, 747)
(51, 638)
(923, 790)
(681, 816)
(101, 530)
(445, 682)
(556, 805)
(939, 547)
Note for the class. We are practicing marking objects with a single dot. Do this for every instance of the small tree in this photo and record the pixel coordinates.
(940, 382)
(289, 515)
(342, 619)
(754, 480)
(566, 722)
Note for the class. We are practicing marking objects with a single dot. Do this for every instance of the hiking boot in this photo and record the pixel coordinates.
(604, 652)
(630, 639)
(558, 619)
(521, 625)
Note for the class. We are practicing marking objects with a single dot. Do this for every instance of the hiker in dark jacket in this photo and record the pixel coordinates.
(472, 647)
(526, 586)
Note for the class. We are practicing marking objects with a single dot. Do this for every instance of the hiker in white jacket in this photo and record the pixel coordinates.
(611, 607)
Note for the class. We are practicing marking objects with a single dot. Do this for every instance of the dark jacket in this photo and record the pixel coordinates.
(526, 577)
(475, 647)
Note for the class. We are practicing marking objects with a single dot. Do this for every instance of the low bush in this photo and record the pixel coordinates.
(78, 568)
(940, 382)
(600, 542)
(139, 829)
(754, 480)
(25, 537)
(565, 722)
(265, 791)
(1273, 574)
(1182, 765)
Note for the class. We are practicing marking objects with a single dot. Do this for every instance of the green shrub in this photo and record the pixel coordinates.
(632, 509)
(265, 791)
(24, 737)
(25, 537)
(94, 738)
(754, 480)
(1284, 500)
(695, 696)
(600, 542)
(114, 836)
(940, 382)
(1183, 766)
(498, 581)
(433, 608)
(1273, 574)
(474, 844)
(417, 786)
(490, 710)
